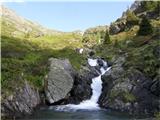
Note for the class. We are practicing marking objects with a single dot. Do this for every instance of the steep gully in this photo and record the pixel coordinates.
(90, 104)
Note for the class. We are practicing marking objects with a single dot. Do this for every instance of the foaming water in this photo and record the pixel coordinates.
(92, 62)
(96, 86)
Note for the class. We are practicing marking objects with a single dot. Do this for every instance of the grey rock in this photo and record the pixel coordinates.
(129, 90)
(135, 5)
(155, 87)
(117, 27)
(100, 62)
(22, 102)
(59, 81)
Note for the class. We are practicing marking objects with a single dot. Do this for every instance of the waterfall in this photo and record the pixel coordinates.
(96, 86)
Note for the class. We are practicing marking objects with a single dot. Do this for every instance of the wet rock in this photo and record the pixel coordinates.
(81, 90)
(155, 87)
(100, 62)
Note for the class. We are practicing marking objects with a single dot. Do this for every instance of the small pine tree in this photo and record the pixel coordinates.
(145, 27)
(107, 38)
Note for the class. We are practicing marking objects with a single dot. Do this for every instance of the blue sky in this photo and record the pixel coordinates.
(70, 16)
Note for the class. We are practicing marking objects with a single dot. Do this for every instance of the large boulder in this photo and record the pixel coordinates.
(22, 102)
(59, 80)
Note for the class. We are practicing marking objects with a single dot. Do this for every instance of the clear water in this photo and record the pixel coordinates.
(49, 113)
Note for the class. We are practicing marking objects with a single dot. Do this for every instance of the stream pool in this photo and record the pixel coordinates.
(49, 113)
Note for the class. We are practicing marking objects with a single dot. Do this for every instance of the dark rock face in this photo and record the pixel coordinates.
(81, 90)
(21, 103)
(59, 81)
(129, 90)
(82, 85)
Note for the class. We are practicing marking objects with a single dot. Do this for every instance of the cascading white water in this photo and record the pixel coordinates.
(96, 86)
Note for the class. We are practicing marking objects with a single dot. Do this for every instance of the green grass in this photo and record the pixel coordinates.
(25, 59)
(58, 41)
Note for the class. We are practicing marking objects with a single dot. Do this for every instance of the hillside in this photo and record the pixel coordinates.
(26, 47)
(136, 85)
(16, 25)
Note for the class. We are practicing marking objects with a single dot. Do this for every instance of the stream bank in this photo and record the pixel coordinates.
(119, 90)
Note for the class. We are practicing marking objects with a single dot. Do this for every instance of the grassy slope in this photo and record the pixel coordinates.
(140, 51)
(25, 58)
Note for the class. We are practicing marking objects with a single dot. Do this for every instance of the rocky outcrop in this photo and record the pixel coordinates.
(129, 90)
(21, 103)
(81, 89)
(59, 81)
(135, 6)
(117, 26)
(109, 79)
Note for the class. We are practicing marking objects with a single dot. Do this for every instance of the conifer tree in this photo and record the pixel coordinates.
(107, 38)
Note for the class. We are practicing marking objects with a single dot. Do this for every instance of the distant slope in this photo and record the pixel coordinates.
(16, 25)
(26, 47)
(13, 25)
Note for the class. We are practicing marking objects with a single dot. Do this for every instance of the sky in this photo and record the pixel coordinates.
(70, 16)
